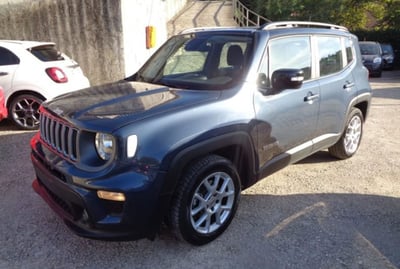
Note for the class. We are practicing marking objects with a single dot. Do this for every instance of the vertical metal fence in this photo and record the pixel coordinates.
(246, 17)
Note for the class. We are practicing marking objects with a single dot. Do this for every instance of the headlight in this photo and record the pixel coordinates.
(389, 59)
(104, 145)
(377, 60)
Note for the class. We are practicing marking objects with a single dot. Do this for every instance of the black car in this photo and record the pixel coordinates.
(388, 56)
(371, 53)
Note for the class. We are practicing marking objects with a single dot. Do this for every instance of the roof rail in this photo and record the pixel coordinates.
(306, 24)
(199, 29)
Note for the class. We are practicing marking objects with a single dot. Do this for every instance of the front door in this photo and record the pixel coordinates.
(286, 120)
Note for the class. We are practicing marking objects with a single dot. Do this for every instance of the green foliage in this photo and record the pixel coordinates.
(383, 36)
(390, 36)
(354, 14)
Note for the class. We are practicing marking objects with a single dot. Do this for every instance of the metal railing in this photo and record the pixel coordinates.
(246, 17)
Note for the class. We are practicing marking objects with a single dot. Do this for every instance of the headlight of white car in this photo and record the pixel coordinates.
(105, 145)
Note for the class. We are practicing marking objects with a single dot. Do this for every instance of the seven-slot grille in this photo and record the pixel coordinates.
(61, 137)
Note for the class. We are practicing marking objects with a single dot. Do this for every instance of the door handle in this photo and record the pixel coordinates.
(3, 74)
(311, 97)
(348, 85)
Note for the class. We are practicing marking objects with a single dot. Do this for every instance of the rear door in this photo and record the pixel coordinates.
(9, 62)
(335, 63)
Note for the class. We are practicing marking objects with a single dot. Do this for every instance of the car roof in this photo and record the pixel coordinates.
(369, 42)
(280, 27)
(232, 29)
(26, 44)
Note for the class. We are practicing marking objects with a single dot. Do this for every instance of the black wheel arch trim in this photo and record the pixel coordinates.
(239, 140)
(358, 101)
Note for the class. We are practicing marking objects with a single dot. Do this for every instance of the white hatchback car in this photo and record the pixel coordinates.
(31, 72)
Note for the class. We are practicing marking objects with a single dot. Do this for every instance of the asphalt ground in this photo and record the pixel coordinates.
(318, 213)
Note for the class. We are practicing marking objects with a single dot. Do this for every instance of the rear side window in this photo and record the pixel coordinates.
(46, 53)
(7, 57)
(330, 55)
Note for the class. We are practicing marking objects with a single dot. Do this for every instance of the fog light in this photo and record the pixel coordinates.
(112, 196)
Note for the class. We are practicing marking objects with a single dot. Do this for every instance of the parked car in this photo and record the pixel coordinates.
(371, 53)
(31, 72)
(213, 111)
(3, 108)
(387, 56)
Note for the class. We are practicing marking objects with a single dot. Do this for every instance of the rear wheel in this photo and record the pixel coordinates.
(206, 200)
(348, 144)
(24, 111)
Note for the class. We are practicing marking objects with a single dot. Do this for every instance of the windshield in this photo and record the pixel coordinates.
(198, 61)
(369, 49)
(387, 49)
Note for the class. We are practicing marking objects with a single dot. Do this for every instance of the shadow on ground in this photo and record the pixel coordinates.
(388, 93)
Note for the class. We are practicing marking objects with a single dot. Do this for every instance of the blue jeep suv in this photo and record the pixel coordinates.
(209, 114)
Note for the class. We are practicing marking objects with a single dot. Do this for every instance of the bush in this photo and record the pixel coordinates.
(386, 36)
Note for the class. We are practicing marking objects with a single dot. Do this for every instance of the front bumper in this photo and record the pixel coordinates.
(388, 63)
(3, 108)
(74, 198)
(373, 68)
(3, 113)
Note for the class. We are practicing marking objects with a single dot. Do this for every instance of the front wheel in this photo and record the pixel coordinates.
(24, 111)
(206, 200)
(348, 144)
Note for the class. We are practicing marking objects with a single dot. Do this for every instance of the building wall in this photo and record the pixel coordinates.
(106, 37)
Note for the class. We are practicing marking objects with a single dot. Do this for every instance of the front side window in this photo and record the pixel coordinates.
(292, 53)
(7, 57)
(330, 55)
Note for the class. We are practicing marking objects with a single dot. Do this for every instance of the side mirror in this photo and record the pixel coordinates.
(287, 79)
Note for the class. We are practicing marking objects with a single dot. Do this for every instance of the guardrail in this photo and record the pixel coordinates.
(246, 17)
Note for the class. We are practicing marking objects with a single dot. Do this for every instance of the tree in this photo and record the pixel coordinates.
(354, 14)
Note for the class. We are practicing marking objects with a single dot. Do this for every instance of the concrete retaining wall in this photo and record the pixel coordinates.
(106, 37)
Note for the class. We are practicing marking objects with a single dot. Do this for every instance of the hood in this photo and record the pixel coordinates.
(114, 105)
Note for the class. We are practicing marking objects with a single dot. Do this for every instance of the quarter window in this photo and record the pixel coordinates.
(330, 55)
(349, 50)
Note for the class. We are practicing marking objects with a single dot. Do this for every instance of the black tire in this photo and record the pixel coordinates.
(206, 200)
(24, 111)
(350, 140)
